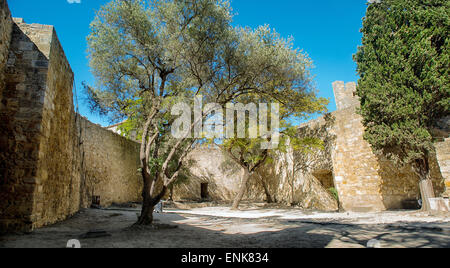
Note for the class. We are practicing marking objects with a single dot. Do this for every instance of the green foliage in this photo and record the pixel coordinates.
(404, 69)
(334, 193)
(147, 56)
(248, 152)
(284, 79)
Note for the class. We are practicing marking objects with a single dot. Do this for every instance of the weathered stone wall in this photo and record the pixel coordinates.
(58, 177)
(344, 95)
(281, 177)
(5, 39)
(111, 166)
(52, 161)
(443, 151)
(290, 184)
(20, 126)
(209, 165)
(365, 181)
(443, 157)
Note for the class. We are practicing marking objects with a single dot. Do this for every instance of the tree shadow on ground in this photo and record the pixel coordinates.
(220, 232)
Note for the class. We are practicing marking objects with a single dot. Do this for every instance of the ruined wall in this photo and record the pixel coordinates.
(289, 184)
(111, 166)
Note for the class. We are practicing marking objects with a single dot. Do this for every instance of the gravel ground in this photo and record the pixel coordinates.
(252, 227)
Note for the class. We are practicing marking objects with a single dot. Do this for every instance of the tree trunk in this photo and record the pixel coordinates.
(146, 217)
(266, 190)
(242, 190)
(422, 169)
(426, 192)
(291, 184)
(171, 193)
(149, 202)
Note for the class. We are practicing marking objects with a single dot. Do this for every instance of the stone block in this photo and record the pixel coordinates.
(26, 46)
(39, 64)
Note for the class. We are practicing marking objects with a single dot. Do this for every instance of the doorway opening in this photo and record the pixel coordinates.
(204, 191)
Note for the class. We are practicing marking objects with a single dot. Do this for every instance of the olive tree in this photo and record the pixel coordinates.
(149, 56)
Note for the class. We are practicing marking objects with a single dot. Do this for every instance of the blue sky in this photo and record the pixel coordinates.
(328, 30)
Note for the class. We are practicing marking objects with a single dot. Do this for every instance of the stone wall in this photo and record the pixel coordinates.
(443, 151)
(365, 181)
(20, 125)
(58, 177)
(293, 184)
(281, 177)
(52, 161)
(111, 166)
(5, 39)
(209, 165)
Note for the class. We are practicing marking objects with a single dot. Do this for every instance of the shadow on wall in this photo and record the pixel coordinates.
(287, 179)
(21, 119)
(209, 166)
(400, 186)
(316, 163)
(193, 190)
(291, 178)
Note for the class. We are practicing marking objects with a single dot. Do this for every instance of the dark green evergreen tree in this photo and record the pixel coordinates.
(403, 65)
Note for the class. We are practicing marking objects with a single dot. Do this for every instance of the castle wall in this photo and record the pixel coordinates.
(111, 166)
(365, 181)
(281, 177)
(443, 157)
(58, 177)
(51, 160)
(355, 168)
(20, 127)
(5, 40)
(209, 165)
(442, 131)
(292, 180)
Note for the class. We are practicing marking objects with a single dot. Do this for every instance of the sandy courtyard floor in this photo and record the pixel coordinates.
(219, 227)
